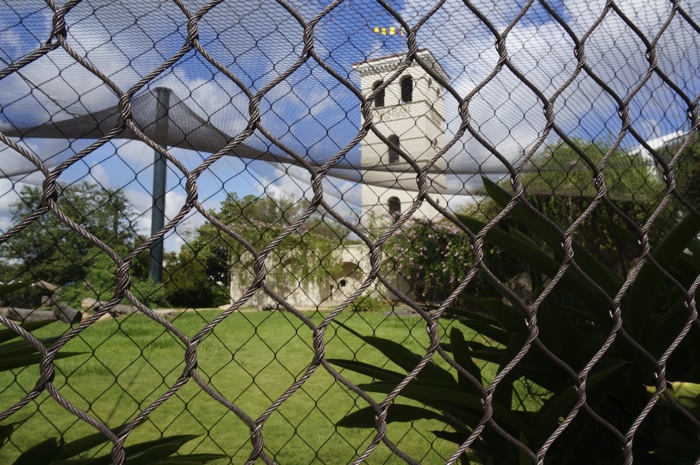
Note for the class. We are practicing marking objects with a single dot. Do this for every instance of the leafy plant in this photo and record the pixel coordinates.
(48, 249)
(211, 260)
(20, 353)
(157, 452)
(367, 304)
(429, 258)
(565, 169)
(429, 255)
(100, 284)
(574, 323)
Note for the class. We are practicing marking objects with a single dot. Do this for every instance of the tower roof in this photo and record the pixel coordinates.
(383, 65)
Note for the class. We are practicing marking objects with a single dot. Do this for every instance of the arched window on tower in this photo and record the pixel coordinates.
(393, 154)
(394, 205)
(407, 89)
(379, 98)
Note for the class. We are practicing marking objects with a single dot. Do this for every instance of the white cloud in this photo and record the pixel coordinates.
(510, 116)
(311, 113)
(295, 182)
(9, 194)
(99, 175)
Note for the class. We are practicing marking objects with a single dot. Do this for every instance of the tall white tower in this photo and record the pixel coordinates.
(410, 114)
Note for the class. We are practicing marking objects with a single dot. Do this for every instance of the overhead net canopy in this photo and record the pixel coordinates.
(259, 81)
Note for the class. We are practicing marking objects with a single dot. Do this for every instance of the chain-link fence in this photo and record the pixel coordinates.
(349, 232)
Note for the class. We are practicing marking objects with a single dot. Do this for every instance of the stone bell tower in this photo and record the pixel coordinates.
(409, 112)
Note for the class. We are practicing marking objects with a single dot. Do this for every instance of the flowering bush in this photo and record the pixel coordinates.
(432, 257)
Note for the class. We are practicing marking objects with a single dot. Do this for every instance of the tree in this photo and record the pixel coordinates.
(573, 325)
(48, 249)
(562, 187)
(562, 170)
(687, 169)
(432, 257)
(201, 275)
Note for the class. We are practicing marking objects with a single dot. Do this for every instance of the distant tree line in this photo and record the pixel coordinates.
(49, 250)
(198, 275)
(433, 257)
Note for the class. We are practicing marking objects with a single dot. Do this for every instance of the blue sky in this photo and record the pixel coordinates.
(310, 111)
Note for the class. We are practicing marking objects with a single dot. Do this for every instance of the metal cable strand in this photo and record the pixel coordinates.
(47, 364)
(599, 183)
(579, 378)
(670, 180)
(477, 247)
(118, 453)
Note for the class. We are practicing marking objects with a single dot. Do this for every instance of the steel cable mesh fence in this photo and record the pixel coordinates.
(435, 232)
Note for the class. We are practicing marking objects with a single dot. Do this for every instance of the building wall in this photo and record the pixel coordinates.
(375, 203)
(420, 127)
(306, 293)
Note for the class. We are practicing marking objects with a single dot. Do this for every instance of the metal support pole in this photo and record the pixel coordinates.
(159, 181)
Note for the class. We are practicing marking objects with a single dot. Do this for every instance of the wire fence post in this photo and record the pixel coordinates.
(159, 181)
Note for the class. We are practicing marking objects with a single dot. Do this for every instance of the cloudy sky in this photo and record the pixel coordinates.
(312, 113)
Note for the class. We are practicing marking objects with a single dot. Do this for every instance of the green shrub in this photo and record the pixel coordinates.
(189, 286)
(367, 304)
(27, 297)
(433, 257)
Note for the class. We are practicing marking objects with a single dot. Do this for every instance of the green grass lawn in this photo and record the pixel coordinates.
(251, 358)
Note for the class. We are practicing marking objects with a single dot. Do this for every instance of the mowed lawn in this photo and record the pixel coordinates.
(251, 358)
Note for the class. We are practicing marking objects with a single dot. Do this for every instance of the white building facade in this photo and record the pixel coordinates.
(409, 113)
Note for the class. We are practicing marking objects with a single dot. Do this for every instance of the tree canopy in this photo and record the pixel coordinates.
(48, 249)
(563, 186)
(566, 171)
(686, 169)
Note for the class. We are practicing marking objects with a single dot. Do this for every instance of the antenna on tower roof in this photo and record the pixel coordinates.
(389, 31)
